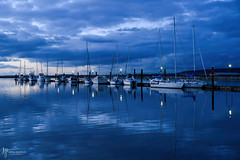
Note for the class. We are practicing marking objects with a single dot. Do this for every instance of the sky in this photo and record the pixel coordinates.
(37, 31)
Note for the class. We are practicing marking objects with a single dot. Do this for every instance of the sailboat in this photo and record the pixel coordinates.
(63, 77)
(116, 80)
(74, 78)
(32, 76)
(88, 79)
(41, 76)
(20, 75)
(100, 80)
(129, 79)
(47, 78)
(25, 76)
(159, 82)
(194, 83)
(57, 76)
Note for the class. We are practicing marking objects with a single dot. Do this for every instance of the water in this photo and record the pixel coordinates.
(49, 121)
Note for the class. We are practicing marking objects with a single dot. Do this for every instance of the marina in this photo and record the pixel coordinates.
(102, 121)
(119, 80)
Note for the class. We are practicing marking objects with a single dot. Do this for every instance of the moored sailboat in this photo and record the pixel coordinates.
(115, 80)
(159, 82)
(88, 79)
(194, 83)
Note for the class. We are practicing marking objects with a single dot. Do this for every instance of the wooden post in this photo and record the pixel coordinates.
(213, 77)
(96, 73)
(164, 75)
(134, 73)
(213, 99)
(89, 75)
(141, 77)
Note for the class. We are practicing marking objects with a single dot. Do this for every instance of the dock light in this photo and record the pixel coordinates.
(72, 71)
(120, 69)
(92, 94)
(161, 103)
(92, 71)
(229, 66)
(73, 92)
(161, 68)
(120, 97)
(230, 113)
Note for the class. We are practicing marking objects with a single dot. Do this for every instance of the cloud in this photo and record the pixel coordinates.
(59, 29)
(129, 25)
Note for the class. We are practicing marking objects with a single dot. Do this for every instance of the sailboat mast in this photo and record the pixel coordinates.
(20, 69)
(47, 66)
(36, 67)
(87, 55)
(175, 56)
(112, 64)
(24, 68)
(41, 68)
(117, 57)
(88, 60)
(127, 61)
(62, 65)
(194, 60)
(160, 50)
(57, 66)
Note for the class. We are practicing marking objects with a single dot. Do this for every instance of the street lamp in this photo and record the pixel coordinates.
(229, 66)
(120, 70)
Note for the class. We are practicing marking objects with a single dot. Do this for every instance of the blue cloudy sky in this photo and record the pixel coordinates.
(32, 30)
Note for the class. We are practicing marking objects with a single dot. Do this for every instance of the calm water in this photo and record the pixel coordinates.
(49, 121)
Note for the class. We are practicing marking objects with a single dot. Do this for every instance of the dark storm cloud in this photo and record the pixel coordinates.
(58, 29)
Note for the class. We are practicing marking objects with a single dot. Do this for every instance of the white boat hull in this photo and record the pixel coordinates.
(99, 80)
(194, 84)
(32, 79)
(168, 84)
(88, 82)
(48, 79)
(116, 82)
(41, 79)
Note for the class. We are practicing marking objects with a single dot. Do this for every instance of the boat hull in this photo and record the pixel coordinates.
(162, 84)
(113, 82)
(194, 84)
(130, 83)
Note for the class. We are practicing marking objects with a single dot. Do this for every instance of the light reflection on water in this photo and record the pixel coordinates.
(60, 121)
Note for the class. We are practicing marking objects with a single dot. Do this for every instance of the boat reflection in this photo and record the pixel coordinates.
(156, 121)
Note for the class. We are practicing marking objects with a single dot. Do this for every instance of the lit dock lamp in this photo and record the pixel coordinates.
(120, 70)
(229, 66)
(230, 113)
(92, 71)
(161, 68)
(161, 103)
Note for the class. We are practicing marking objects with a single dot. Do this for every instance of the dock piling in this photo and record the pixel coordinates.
(213, 77)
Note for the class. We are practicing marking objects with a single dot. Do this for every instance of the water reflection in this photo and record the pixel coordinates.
(58, 121)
